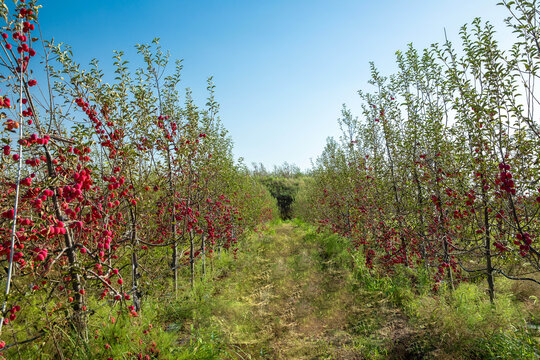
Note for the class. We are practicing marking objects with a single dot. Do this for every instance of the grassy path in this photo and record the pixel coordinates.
(289, 297)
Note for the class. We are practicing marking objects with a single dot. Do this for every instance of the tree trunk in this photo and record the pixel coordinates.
(134, 264)
(79, 318)
(487, 248)
(191, 258)
(203, 252)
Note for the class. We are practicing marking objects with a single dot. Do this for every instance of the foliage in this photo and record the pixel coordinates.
(112, 195)
(284, 190)
(440, 173)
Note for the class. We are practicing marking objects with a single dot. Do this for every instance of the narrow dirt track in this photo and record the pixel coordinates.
(294, 303)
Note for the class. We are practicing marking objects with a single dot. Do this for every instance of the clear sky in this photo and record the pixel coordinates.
(283, 68)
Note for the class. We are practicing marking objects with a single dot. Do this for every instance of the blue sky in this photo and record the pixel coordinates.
(283, 69)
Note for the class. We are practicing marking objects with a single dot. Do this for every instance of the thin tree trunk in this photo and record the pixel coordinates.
(174, 262)
(487, 248)
(191, 258)
(174, 265)
(135, 263)
(79, 319)
(203, 252)
(420, 202)
(446, 254)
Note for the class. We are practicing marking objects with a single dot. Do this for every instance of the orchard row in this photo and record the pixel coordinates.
(107, 190)
(442, 170)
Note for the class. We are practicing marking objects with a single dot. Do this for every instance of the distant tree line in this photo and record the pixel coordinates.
(283, 182)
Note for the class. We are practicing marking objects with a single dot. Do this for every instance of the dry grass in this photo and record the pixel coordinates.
(291, 300)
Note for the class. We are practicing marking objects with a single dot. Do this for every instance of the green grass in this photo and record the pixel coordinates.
(461, 324)
(295, 293)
